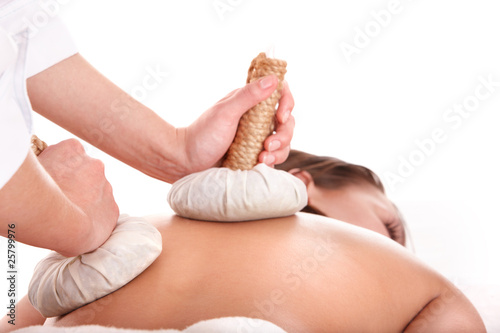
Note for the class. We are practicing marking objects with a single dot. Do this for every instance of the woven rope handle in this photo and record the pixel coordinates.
(258, 122)
(37, 145)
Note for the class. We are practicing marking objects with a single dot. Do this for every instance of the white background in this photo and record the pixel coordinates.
(370, 110)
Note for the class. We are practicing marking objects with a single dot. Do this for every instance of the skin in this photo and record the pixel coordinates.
(359, 203)
(305, 273)
(63, 214)
(100, 110)
(71, 205)
(314, 274)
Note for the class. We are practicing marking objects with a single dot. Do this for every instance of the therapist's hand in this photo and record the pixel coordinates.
(82, 180)
(113, 121)
(209, 137)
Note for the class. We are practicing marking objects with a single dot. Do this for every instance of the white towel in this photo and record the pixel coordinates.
(219, 325)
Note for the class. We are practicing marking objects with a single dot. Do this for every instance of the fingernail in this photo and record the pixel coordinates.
(274, 145)
(269, 159)
(266, 82)
(286, 115)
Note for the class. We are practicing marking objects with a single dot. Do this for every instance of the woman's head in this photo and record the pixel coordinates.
(347, 192)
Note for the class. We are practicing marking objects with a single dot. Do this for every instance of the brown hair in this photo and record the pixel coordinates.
(330, 172)
(333, 173)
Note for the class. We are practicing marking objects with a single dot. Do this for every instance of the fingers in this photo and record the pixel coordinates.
(277, 145)
(69, 154)
(69, 146)
(238, 102)
(274, 158)
(286, 104)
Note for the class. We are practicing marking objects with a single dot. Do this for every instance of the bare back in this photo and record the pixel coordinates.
(305, 273)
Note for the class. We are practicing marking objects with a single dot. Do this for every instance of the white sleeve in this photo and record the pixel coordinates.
(14, 134)
(14, 138)
(48, 46)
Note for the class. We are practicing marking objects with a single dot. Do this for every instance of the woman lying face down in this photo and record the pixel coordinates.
(304, 273)
(347, 192)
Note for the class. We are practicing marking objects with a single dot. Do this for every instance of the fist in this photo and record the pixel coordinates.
(82, 180)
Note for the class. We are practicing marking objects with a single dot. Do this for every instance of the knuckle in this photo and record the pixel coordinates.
(98, 165)
(292, 100)
(291, 121)
(247, 93)
(251, 93)
(109, 190)
(116, 209)
(282, 154)
(74, 145)
(285, 131)
(287, 97)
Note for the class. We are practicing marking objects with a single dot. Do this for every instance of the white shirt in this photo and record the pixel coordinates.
(32, 39)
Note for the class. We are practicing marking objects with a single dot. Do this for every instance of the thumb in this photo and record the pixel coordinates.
(250, 95)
